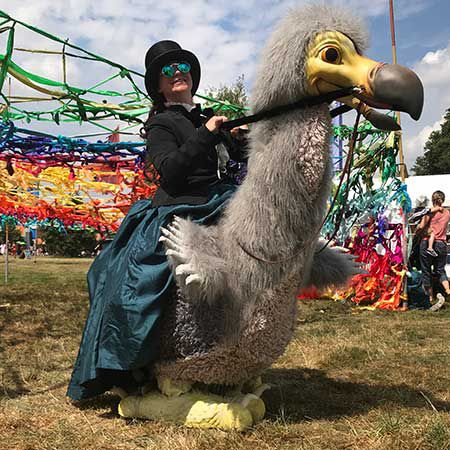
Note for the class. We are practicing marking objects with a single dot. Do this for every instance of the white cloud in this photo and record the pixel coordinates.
(434, 68)
(226, 36)
(433, 58)
(415, 144)
(122, 30)
(434, 71)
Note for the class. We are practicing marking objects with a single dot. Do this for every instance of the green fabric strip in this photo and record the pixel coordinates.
(7, 57)
(57, 39)
(47, 82)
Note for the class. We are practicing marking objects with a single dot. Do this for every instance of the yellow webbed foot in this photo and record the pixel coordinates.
(194, 409)
(177, 403)
(224, 416)
(173, 388)
(253, 402)
(255, 406)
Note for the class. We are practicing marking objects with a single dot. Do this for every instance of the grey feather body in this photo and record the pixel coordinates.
(240, 317)
(192, 349)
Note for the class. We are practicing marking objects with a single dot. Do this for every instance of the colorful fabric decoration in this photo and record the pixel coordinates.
(371, 227)
(70, 182)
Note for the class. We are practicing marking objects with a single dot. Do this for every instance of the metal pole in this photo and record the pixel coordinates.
(64, 64)
(6, 253)
(403, 173)
(341, 145)
(35, 244)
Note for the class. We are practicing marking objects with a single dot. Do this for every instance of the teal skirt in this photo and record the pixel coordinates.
(129, 282)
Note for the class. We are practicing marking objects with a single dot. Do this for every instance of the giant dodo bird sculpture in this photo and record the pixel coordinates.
(234, 310)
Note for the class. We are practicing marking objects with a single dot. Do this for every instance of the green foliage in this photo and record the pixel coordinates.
(234, 94)
(74, 243)
(13, 233)
(436, 158)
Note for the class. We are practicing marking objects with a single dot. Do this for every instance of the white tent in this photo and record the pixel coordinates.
(420, 187)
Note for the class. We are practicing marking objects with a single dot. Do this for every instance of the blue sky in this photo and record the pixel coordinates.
(227, 37)
(417, 33)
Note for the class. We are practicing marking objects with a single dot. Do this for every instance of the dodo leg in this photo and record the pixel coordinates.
(250, 398)
(193, 409)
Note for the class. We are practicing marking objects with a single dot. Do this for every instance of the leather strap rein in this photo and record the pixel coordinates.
(300, 104)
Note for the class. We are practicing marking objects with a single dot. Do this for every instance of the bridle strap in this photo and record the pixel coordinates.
(303, 103)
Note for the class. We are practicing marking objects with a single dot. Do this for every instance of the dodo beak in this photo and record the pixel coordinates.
(333, 62)
(390, 86)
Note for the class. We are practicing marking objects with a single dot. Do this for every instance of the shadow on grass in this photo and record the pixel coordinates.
(16, 386)
(74, 262)
(104, 401)
(304, 394)
(308, 394)
(20, 390)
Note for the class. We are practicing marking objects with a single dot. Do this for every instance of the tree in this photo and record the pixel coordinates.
(13, 233)
(234, 94)
(72, 243)
(436, 158)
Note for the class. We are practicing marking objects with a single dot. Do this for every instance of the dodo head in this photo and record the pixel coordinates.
(317, 49)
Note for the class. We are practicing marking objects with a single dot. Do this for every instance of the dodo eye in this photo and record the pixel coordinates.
(331, 55)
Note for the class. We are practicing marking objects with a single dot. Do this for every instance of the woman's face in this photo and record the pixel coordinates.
(176, 88)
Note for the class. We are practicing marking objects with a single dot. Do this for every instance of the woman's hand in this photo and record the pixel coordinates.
(215, 123)
(239, 132)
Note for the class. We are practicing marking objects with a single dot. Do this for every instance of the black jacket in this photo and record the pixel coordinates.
(183, 152)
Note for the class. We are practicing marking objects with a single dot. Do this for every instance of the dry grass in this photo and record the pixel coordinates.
(349, 380)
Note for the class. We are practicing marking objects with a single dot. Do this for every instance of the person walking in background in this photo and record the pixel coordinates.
(436, 222)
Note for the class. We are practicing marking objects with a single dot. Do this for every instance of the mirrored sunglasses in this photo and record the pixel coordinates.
(170, 69)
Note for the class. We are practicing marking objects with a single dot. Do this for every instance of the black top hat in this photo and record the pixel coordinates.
(162, 53)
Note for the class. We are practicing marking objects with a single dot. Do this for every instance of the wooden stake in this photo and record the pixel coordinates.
(6, 253)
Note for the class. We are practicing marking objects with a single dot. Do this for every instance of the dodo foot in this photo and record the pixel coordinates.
(194, 410)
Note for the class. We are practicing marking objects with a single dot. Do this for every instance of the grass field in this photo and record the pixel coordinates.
(349, 380)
